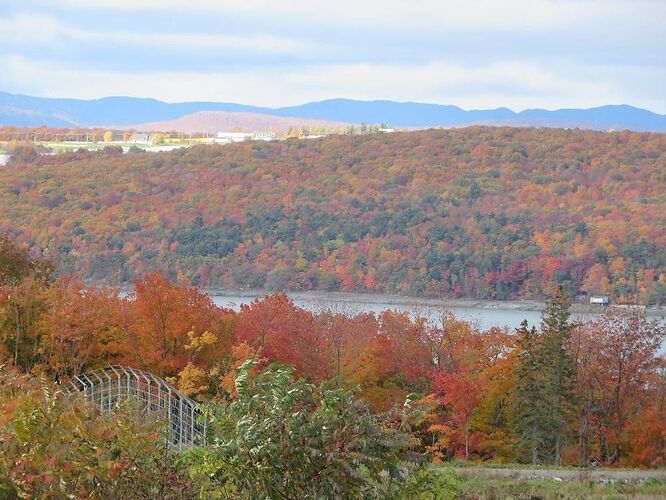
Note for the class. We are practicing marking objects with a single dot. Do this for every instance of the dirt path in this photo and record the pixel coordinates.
(596, 475)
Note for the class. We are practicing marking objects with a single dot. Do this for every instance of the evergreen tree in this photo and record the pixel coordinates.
(529, 416)
(558, 370)
(544, 401)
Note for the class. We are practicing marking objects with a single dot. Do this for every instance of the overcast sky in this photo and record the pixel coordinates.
(471, 53)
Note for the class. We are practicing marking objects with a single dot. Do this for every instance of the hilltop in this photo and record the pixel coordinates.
(496, 213)
(20, 110)
(215, 121)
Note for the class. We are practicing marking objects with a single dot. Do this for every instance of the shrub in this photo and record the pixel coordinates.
(286, 438)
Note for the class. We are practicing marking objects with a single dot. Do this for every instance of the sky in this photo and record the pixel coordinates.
(476, 54)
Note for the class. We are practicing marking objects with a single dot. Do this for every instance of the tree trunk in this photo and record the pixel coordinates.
(467, 437)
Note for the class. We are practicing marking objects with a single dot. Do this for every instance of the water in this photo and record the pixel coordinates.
(487, 315)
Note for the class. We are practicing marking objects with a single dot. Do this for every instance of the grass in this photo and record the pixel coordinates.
(491, 489)
(463, 480)
(462, 464)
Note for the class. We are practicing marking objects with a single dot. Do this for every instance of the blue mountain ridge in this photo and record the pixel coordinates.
(22, 110)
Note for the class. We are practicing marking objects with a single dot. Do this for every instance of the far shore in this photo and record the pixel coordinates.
(406, 302)
(416, 302)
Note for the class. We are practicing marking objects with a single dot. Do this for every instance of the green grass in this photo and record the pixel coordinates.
(490, 489)
(443, 482)
(462, 464)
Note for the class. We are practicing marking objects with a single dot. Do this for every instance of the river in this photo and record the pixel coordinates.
(484, 314)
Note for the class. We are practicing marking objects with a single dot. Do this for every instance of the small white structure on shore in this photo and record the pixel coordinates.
(600, 300)
(386, 130)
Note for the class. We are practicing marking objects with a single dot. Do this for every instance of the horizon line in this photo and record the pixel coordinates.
(624, 104)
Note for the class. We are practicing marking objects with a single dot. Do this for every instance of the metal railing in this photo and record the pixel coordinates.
(109, 386)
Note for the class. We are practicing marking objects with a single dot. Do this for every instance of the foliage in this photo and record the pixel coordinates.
(285, 438)
(545, 383)
(590, 392)
(54, 445)
(16, 263)
(621, 388)
(431, 483)
(478, 212)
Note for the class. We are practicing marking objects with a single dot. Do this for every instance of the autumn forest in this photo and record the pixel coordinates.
(495, 213)
(365, 393)
(332, 404)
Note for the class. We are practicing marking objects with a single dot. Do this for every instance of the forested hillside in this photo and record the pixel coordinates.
(478, 212)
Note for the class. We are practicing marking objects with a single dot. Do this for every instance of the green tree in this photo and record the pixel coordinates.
(286, 438)
(559, 369)
(544, 400)
(529, 415)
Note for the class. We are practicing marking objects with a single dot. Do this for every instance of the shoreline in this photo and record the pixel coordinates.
(406, 301)
(416, 302)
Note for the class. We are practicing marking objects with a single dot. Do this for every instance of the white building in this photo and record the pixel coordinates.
(140, 138)
(600, 300)
(264, 136)
(229, 137)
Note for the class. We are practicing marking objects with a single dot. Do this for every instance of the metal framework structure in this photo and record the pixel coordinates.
(111, 385)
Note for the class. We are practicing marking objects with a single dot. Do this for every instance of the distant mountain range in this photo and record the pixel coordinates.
(30, 111)
(215, 121)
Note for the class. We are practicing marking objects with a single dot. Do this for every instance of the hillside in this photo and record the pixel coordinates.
(215, 121)
(479, 212)
(22, 110)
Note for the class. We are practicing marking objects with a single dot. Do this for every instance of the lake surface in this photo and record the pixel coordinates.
(486, 316)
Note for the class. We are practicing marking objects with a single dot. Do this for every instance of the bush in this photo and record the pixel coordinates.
(431, 484)
(286, 438)
(55, 445)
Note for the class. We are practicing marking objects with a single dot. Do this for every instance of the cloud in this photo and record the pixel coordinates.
(437, 14)
(29, 30)
(44, 31)
(472, 53)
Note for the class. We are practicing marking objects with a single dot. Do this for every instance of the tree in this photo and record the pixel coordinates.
(529, 412)
(280, 331)
(462, 396)
(559, 369)
(82, 328)
(544, 392)
(165, 314)
(16, 263)
(619, 352)
(286, 438)
(20, 327)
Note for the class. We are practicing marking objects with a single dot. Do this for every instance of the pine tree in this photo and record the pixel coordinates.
(558, 369)
(529, 415)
